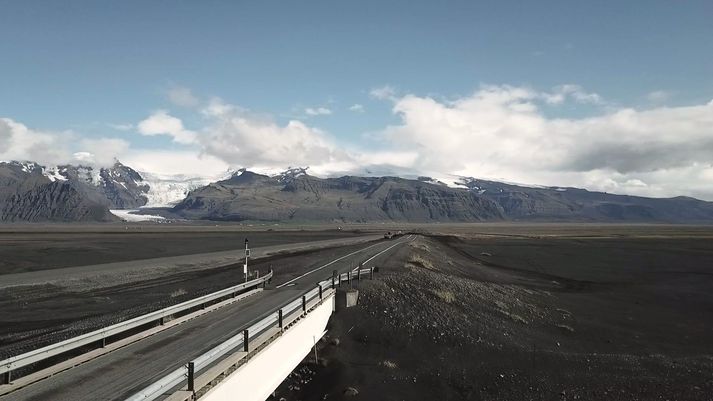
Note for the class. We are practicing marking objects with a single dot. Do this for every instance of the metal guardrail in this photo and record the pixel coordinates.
(239, 341)
(40, 354)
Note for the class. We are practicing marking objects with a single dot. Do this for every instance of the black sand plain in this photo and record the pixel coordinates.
(464, 312)
(551, 313)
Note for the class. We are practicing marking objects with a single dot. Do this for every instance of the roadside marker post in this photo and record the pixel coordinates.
(245, 266)
(191, 376)
(279, 318)
(246, 340)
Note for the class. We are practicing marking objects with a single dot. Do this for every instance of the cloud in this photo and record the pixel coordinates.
(658, 96)
(357, 108)
(121, 127)
(102, 151)
(183, 97)
(241, 138)
(18, 142)
(318, 111)
(171, 162)
(500, 132)
(384, 92)
(569, 91)
(162, 123)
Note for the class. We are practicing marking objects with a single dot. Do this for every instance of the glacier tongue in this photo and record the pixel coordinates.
(166, 190)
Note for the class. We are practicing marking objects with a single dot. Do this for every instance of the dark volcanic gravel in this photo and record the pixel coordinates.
(454, 318)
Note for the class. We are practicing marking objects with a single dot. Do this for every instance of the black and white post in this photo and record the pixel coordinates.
(247, 255)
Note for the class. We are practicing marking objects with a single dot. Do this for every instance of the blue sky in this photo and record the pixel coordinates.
(86, 67)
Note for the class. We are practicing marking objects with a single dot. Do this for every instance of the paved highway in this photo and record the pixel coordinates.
(142, 270)
(121, 373)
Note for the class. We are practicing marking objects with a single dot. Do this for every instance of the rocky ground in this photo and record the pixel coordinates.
(531, 317)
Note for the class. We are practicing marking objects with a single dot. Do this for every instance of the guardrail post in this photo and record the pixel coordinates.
(359, 273)
(6, 377)
(320, 290)
(304, 304)
(103, 342)
(349, 278)
(191, 376)
(279, 318)
(334, 275)
(246, 340)
(371, 273)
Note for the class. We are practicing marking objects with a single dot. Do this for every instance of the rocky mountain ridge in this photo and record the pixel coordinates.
(30, 192)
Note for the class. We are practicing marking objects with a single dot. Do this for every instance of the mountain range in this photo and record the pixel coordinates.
(34, 193)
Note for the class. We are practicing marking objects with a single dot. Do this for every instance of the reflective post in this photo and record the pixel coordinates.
(279, 318)
(191, 376)
(246, 339)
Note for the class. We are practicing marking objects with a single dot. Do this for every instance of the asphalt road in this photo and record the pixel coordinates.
(142, 270)
(118, 375)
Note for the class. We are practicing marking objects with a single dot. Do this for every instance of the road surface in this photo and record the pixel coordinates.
(119, 374)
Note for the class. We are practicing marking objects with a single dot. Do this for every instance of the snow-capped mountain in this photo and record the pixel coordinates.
(32, 192)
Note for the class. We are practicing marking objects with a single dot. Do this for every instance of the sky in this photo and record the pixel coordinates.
(609, 95)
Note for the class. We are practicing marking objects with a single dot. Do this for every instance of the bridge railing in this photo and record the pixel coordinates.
(240, 342)
(40, 354)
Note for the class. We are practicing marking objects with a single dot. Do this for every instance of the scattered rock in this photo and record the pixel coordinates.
(351, 392)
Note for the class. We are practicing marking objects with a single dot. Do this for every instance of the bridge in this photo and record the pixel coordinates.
(241, 341)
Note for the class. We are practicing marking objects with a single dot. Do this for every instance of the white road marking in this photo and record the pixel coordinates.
(373, 257)
(322, 267)
(338, 259)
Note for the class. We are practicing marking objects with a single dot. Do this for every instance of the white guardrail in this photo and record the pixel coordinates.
(180, 375)
(52, 350)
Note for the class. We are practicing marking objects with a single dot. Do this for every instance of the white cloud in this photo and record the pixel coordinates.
(102, 151)
(121, 127)
(318, 111)
(499, 132)
(183, 97)
(186, 162)
(658, 96)
(241, 138)
(357, 108)
(162, 123)
(384, 92)
(18, 142)
(569, 91)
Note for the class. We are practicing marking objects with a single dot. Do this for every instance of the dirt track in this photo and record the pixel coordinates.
(545, 318)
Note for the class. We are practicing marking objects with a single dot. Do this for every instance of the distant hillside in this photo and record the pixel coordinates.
(297, 196)
(574, 204)
(34, 193)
